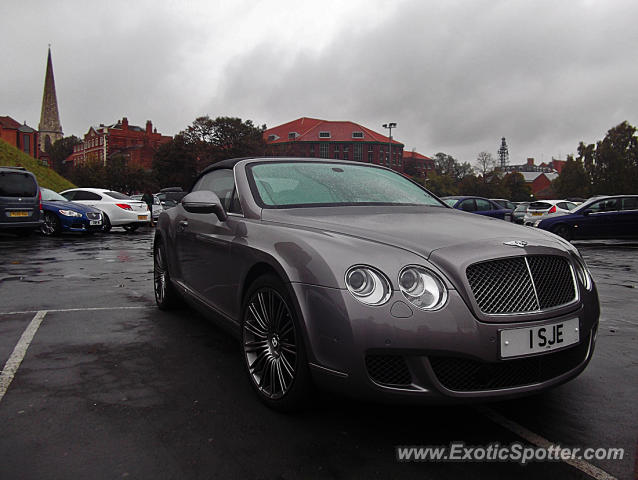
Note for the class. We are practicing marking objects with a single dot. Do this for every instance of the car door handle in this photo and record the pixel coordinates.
(181, 226)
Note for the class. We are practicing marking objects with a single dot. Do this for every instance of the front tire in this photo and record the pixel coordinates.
(273, 347)
(51, 224)
(106, 223)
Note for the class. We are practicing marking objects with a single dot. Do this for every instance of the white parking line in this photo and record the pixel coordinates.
(20, 350)
(535, 439)
(86, 309)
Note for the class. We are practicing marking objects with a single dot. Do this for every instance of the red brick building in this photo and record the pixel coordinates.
(343, 140)
(136, 144)
(419, 164)
(19, 135)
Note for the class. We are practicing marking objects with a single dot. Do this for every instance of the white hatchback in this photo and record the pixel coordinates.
(119, 210)
(542, 208)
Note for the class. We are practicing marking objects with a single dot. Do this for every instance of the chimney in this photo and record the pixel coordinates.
(124, 123)
(530, 162)
(149, 127)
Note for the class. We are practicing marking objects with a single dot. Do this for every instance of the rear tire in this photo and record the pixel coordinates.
(563, 231)
(273, 347)
(166, 295)
(106, 223)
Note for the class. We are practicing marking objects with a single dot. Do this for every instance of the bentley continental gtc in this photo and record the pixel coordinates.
(350, 277)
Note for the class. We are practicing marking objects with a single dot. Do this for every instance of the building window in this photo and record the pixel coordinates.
(357, 134)
(356, 154)
(370, 156)
(26, 139)
(292, 135)
(345, 152)
(272, 137)
(312, 149)
(324, 134)
(323, 149)
(336, 152)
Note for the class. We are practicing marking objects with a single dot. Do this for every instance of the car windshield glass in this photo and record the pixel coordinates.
(117, 195)
(521, 208)
(17, 184)
(51, 196)
(298, 184)
(451, 201)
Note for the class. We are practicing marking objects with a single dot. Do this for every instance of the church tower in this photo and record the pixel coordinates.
(50, 128)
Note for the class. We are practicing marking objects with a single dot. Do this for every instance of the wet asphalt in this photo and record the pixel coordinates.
(111, 387)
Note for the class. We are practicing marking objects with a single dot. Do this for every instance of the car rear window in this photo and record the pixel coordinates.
(539, 205)
(17, 184)
(118, 195)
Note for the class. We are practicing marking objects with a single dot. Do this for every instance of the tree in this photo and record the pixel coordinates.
(442, 185)
(445, 164)
(175, 163)
(222, 138)
(60, 151)
(612, 164)
(485, 163)
(90, 174)
(516, 187)
(573, 180)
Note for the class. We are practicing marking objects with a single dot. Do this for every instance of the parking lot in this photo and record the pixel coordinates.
(111, 387)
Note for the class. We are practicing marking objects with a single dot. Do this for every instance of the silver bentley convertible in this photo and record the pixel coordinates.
(348, 276)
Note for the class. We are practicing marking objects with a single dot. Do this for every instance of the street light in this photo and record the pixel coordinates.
(390, 126)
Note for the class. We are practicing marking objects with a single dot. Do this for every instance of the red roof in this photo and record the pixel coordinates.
(307, 130)
(415, 156)
(8, 122)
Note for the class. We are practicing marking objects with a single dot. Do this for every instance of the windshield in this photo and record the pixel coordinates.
(285, 184)
(51, 196)
(118, 195)
(451, 201)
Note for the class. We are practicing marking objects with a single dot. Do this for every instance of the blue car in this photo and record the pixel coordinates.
(60, 215)
(601, 217)
(479, 205)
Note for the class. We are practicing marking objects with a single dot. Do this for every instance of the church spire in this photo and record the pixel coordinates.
(50, 127)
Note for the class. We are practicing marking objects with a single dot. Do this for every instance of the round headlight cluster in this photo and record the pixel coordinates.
(422, 288)
(368, 285)
(583, 274)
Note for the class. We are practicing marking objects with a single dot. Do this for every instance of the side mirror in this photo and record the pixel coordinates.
(587, 212)
(204, 201)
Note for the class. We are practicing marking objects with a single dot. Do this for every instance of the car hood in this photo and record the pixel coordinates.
(77, 207)
(421, 230)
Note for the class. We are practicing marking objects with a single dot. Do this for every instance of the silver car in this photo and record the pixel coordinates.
(348, 276)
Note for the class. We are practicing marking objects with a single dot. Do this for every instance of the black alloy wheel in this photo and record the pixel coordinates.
(106, 223)
(51, 224)
(166, 296)
(272, 346)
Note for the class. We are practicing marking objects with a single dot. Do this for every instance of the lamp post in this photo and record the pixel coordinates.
(390, 126)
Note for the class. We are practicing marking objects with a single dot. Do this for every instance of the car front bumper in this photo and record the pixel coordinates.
(395, 352)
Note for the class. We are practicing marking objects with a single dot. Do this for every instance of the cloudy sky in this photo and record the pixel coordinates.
(456, 76)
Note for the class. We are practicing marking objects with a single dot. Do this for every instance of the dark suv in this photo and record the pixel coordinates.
(20, 201)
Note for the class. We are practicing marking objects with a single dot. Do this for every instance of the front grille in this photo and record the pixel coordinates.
(464, 375)
(93, 215)
(521, 284)
(388, 370)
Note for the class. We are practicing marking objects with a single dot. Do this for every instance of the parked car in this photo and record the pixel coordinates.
(542, 208)
(157, 205)
(170, 196)
(20, 201)
(352, 277)
(480, 205)
(504, 203)
(518, 215)
(118, 210)
(601, 217)
(60, 215)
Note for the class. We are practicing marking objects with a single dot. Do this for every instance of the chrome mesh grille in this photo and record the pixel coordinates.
(388, 369)
(521, 284)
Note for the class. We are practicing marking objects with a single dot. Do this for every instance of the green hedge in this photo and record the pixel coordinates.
(11, 156)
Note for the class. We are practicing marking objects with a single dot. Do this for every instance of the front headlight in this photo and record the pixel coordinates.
(368, 285)
(583, 273)
(422, 287)
(70, 213)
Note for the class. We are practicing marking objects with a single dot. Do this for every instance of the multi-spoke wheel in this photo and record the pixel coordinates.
(272, 345)
(50, 224)
(165, 294)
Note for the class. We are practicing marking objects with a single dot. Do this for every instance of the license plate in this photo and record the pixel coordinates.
(142, 217)
(96, 222)
(537, 213)
(19, 214)
(529, 340)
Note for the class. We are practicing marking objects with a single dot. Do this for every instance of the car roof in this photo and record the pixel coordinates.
(89, 189)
